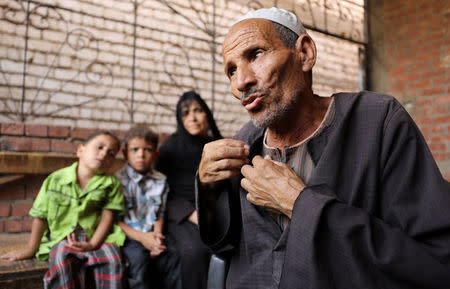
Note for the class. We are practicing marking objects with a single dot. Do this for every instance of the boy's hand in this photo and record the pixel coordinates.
(17, 255)
(74, 244)
(154, 242)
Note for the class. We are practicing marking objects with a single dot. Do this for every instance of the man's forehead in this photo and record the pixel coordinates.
(256, 25)
(248, 29)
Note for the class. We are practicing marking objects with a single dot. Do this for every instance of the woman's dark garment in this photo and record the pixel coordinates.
(179, 158)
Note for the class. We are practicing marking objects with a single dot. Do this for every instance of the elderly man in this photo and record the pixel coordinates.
(341, 192)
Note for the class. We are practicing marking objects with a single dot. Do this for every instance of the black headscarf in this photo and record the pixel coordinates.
(193, 96)
(180, 156)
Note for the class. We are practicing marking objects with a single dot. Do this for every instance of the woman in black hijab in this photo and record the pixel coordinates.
(179, 158)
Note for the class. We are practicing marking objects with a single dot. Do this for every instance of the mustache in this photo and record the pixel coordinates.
(249, 92)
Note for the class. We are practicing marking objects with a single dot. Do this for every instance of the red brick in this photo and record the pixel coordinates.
(15, 144)
(442, 119)
(393, 8)
(2, 226)
(12, 192)
(433, 91)
(438, 157)
(58, 131)
(12, 128)
(81, 133)
(433, 130)
(423, 102)
(5, 209)
(423, 120)
(36, 130)
(32, 193)
(21, 209)
(426, 5)
(26, 224)
(32, 190)
(40, 145)
(433, 73)
(437, 147)
(438, 110)
(397, 71)
(62, 146)
(408, 77)
(438, 138)
(441, 81)
(429, 56)
(420, 84)
(442, 100)
(399, 87)
(13, 226)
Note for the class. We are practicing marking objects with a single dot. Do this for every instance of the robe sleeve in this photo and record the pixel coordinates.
(219, 225)
(332, 244)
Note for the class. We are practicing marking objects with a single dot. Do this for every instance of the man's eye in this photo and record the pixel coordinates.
(100, 147)
(231, 71)
(134, 150)
(257, 53)
(148, 150)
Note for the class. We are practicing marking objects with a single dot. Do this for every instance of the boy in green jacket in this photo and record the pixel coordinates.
(73, 219)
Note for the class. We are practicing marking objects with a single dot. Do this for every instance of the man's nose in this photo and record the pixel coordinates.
(245, 78)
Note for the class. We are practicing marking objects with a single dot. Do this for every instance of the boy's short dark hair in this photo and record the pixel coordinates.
(102, 132)
(141, 131)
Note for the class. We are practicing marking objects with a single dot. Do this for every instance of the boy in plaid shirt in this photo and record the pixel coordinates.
(151, 264)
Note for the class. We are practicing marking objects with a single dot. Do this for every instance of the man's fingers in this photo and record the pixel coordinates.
(221, 160)
(230, 164)
(225, 149)
(259, 162)
(253, 188)
(267, 163)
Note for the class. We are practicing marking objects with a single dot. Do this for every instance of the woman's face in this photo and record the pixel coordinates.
(194, 119)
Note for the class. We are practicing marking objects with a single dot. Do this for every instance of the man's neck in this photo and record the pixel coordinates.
(299, 124)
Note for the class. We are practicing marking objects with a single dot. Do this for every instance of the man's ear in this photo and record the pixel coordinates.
(80, 148)
(306, 48)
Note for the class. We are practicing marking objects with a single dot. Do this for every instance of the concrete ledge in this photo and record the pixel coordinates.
(19, 274)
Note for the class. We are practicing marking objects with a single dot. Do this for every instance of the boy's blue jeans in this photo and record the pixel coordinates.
(163, 272)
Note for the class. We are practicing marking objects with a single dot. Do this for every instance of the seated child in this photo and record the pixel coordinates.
(73, 220)
(151, 264)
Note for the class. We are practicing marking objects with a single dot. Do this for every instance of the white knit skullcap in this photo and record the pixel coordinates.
(278, 15)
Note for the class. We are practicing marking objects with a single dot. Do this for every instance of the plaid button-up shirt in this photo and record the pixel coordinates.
(145, 197)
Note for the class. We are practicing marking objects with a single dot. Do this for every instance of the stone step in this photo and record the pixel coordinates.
(24, 274)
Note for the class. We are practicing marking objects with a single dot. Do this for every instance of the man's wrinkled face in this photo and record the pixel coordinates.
(264, 74)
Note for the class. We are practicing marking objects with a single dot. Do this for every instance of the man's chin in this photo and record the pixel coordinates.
(261, 118)
(260, 123)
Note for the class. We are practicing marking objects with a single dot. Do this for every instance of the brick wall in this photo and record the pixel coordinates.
(413, 65)
(19, 137)
(16, 199)
(79, 60)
